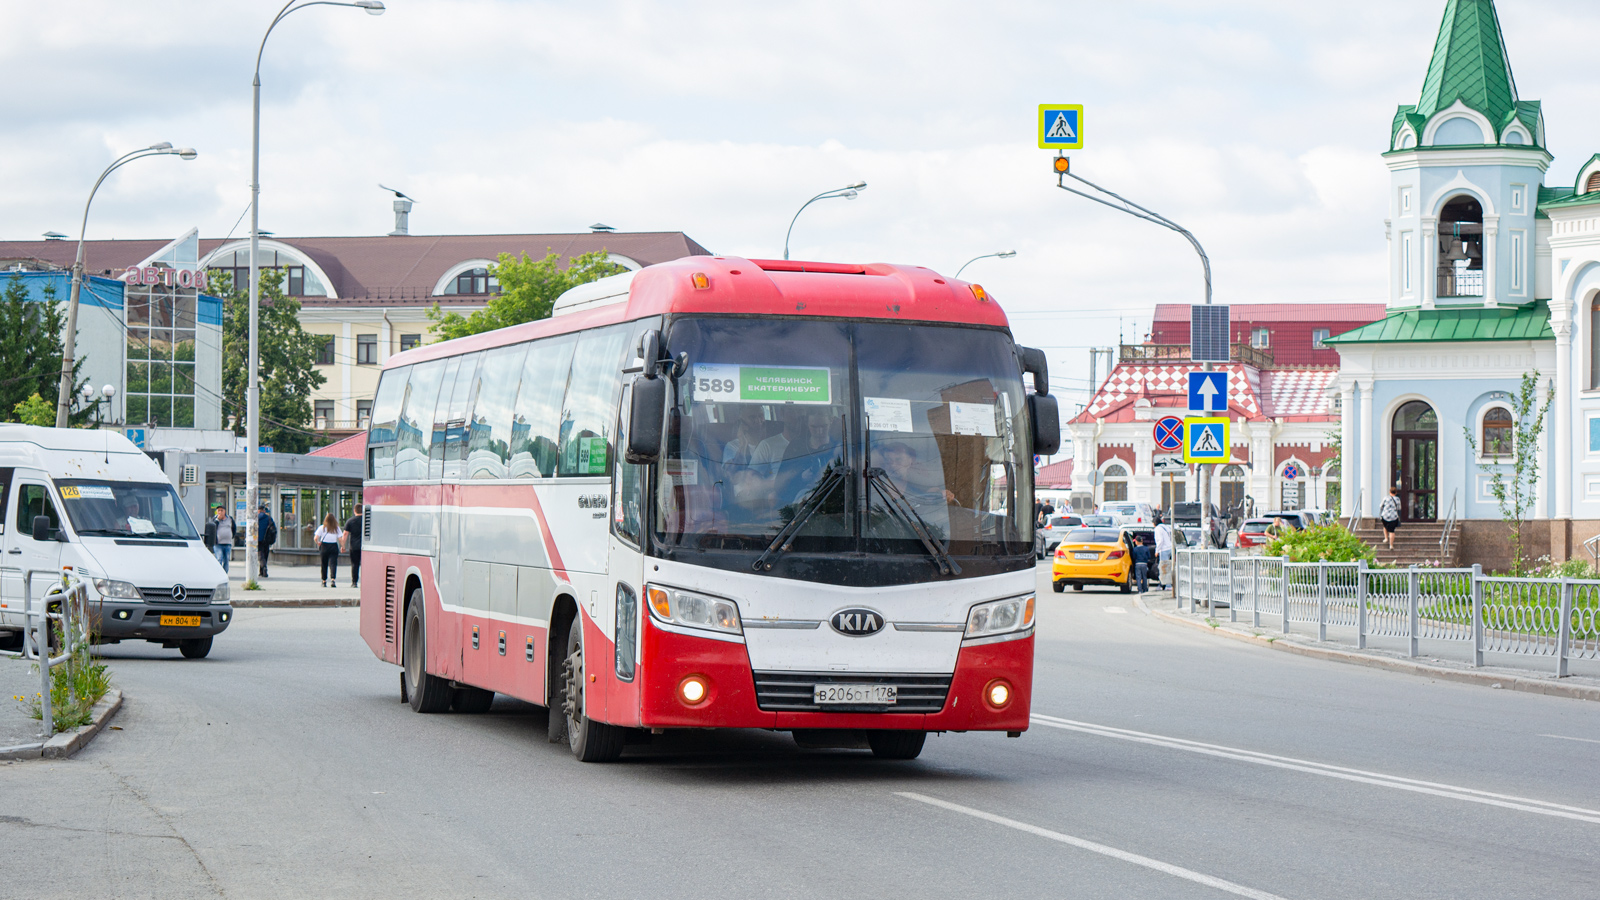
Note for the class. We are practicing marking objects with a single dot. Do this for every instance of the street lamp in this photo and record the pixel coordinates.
(253, 397)
(848, 192)
(69, 346)
(1003, 254)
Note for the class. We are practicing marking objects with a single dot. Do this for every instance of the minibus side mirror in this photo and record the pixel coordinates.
(646, 419)
(1046, 419)
(41, 529)
(1034, 361)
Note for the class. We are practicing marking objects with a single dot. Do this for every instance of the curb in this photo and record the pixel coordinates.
(1548, 687)
(291, 603)
(67, 743)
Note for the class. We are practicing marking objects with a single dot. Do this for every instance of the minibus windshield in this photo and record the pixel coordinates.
(125, 509)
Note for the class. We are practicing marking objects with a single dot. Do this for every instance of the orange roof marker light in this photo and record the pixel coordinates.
(700, 281)
(979, 292)
(1063, 164)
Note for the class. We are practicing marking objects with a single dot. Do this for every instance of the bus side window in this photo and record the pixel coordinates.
(489, 431)
(627, 492)
(385, 416)
(590, 412)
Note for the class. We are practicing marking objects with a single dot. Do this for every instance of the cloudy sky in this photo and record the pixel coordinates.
(1255, 124)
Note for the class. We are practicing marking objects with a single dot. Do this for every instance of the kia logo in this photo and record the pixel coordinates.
(180, 593)
(857, 622)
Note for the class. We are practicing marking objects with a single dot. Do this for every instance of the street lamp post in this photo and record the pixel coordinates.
(1003, 254)
(252, 474)
(848, 192)
(69, 344)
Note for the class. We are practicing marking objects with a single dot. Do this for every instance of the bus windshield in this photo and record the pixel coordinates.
(125, 509)
(842, 437)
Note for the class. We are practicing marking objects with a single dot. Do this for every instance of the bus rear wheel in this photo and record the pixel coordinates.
(896, 744)
(590, 741)
(426, 693)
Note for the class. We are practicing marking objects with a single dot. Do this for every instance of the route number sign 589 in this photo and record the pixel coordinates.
(717, 386)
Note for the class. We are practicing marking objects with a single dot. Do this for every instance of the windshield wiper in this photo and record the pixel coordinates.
(896, 502)
(834, 477)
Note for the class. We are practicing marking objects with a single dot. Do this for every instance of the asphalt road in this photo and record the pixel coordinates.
(1174, 765)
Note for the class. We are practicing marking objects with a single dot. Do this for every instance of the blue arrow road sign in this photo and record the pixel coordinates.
(1208, 391)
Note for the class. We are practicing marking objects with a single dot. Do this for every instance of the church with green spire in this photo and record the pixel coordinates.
(1492, 274)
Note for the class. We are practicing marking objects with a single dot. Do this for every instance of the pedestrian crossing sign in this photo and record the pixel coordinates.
(1060, 126)
(1205, 440)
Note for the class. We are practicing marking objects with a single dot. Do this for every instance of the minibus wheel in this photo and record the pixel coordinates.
(427, 693)
(194, 648)
(590, 741)
(896, 744)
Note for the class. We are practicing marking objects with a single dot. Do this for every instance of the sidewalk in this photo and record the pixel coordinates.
(16, 726)
(1163, 605)
(293, 586)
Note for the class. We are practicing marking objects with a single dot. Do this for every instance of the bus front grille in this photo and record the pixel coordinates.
(793, 691)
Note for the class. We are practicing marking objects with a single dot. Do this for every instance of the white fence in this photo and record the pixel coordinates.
(1554, 618)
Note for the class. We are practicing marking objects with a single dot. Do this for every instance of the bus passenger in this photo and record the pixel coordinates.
(798, 474)
(899, 460)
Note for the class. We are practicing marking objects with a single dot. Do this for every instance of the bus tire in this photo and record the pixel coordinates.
(896, 744)
(590, 741)
(472, 701)
(195, 648)
(427, 693)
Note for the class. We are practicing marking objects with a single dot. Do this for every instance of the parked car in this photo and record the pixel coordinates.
(1049, 537)
(1096, 520)
(1129, 513)
(1299, 519)
(1320, 516)
(1254, 532)
(93, 502)
(1099, 555)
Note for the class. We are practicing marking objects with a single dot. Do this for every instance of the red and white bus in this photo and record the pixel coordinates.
(717, 493)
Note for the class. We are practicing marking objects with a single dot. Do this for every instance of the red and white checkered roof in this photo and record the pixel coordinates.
(1252, 393)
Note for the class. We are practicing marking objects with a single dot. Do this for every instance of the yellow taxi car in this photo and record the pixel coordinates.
(1099, 555)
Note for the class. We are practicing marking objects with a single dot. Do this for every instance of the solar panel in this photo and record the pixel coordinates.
(1208, 333)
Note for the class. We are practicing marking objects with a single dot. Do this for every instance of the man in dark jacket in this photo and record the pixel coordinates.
(352, 537)
(1144, 558)
(219, 536)
(266, 536)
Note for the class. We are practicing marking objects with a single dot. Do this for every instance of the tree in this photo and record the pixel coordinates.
(30, 351)
(528, 291)
(1514, 489)
(288, 355)
(36, 411)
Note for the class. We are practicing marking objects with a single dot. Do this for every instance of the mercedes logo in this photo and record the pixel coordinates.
(180, 593)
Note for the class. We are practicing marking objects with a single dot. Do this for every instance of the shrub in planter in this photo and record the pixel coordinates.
(1320, 543)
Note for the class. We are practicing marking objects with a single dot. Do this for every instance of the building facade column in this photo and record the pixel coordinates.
(1368, 447)
(1561, 471)
(1491, 233)
(1347, 449)
(1428, 257)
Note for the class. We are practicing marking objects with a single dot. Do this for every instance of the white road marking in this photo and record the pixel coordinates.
(1116, 610)
(1562, 737)
(1134, 858)
(1449, 791)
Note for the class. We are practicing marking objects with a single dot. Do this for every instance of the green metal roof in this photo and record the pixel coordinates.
(1470, 64)
(1506, 323)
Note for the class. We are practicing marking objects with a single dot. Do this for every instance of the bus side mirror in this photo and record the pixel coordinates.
(41, 528)
(1046, 419)
(646, 419)
(650, 351)
(1034, 361)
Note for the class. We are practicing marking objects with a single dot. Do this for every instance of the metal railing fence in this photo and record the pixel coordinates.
(1553, 618)
(66, 603)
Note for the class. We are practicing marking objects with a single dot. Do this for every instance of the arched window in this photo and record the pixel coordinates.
(1230, 489)
(1116, 483)
(1331, 487)
(473, 281)
(1498, 436)
(1594, 341)
(1593, 184)
(1460, 270)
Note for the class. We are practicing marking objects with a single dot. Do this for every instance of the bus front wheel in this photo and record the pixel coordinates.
(426, 693)
(896, 744)
(590, 741)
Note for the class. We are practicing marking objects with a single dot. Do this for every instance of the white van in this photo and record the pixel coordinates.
(1128, 513)
(92, 502)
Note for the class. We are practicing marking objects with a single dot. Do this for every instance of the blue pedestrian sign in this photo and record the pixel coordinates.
(1169, 434)
(1060, 126)
(1205, 440)
(1208, 391)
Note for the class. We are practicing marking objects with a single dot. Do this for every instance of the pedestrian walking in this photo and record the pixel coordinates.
(1389, 515)
(328, 537)
(266, 536)
(352, 545)
(219, 536)
(1163, 553)
(1143, 555)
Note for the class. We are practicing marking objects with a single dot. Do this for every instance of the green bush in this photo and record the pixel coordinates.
(1321, 543)
(1572, 568)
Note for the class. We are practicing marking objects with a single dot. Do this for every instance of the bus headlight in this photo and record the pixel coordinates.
(693, 610)
(117, 590)
(1000, 617)
(220, 595)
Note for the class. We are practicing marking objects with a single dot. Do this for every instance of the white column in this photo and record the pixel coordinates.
(1428, 258)
(1347, 452)
(1491, 230)
(345, 349)
(1369, 447)
(1561, 482)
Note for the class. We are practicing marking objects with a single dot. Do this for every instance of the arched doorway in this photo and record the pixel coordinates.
(1230, 488)
(1415, 471)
